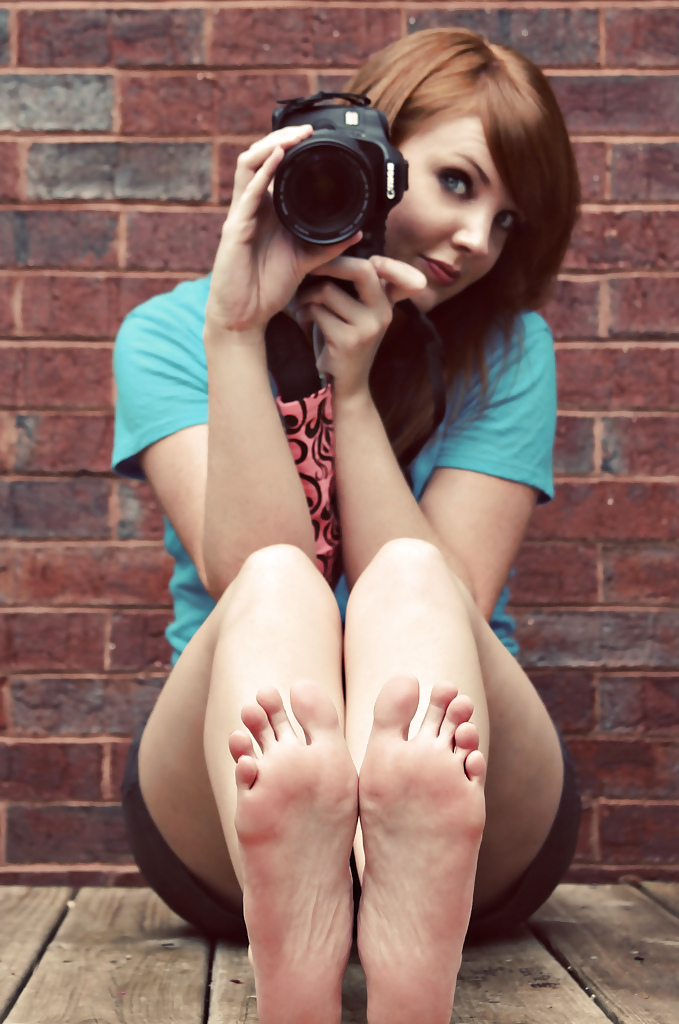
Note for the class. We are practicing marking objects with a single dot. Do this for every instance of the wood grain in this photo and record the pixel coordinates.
(27, 917)
(120, 956)
(517, 980)
(232, 985)
(622, 947)
(665, 893)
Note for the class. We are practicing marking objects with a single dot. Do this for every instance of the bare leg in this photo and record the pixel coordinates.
(296, 820)
(277, 624)
(422, 814)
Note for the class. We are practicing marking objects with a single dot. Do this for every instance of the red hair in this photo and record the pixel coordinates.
(457, 71)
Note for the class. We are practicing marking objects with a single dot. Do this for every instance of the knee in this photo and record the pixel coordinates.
(406, 566)
(275, 567)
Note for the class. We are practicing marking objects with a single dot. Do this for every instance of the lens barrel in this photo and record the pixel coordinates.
(323, 190)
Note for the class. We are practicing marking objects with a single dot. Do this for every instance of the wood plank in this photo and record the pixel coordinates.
(27, 918)
(499, 983)
(621, 946)
(665, 893)
(120, 955)
(518, 980)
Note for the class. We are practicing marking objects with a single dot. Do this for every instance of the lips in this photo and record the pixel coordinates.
(442, 273)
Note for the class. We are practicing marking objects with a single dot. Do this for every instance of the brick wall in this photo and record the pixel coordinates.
(120, 127)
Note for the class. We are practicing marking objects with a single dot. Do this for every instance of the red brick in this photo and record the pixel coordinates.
(635, 639)
(119, 753)
(56, 443)
(50, 771)
(52, 641)
(68, 835)
(60, 509)
(591, 159)
(173, 241)
(70, 240)
(626, 768)
(645, 306)
(586, 848)
(9, 171)
(8, 436)
(69, 307)
(228, 155)
(609, 511)
(573, 310)
(245, 103)
(640, 445)
(640, 574)
(569, 697)
(146, 38)
(625, 241)
(90, 706)
(95, 575)
(138, 641)
(615, 103)
(574, 445)
(63, 38)
(63, 376)
(555, 573)
(635, 833)
(7, 325)
(304, 37)
(135, 290)
(140, 514)
(609, 377)
(168, 105)
(645, 39)
(647, 704)
(555, 38)
(645, 171)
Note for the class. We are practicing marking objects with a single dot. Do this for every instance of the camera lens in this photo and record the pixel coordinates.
(322, 191)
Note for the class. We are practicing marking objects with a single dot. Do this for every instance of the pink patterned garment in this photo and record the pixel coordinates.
(309, 427)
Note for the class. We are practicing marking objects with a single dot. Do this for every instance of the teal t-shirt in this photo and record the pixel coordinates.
(161, 381)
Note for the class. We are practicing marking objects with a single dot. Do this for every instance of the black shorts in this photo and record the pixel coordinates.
(193, 900)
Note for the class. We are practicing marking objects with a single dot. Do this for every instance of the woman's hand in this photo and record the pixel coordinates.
(259, 265)
(353, 328)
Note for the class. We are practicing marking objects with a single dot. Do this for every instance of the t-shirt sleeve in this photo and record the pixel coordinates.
(160, 373)
(510, 434)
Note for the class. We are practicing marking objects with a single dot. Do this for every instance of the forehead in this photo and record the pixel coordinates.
(449, 134)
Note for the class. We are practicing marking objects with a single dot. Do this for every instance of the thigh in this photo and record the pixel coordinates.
(277, 622)
(407, 613)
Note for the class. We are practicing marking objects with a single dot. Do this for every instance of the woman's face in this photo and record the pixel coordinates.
(456, 215)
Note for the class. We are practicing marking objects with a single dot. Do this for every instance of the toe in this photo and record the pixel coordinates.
(459, 710)
(396, 705)
(240, 745)
(272, 703)
(441, 696)
(466, 739)
(257, 721)
(475, 766)
(313, 709)
(246, 773)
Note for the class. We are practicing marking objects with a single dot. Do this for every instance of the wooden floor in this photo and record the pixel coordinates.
(118, 956)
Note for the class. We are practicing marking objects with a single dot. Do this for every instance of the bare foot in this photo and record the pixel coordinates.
(296, 819)
(422, 813)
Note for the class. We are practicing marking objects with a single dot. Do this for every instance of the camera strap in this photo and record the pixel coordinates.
(433, 354)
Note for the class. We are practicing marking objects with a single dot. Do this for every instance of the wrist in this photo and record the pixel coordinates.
(216, 335)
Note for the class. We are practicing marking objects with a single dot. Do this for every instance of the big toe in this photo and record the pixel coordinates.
(396, 705)
(313, 709)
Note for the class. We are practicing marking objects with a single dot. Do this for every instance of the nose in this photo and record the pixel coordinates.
(472, 232)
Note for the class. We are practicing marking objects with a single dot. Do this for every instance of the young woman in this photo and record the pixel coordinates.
(390, 719)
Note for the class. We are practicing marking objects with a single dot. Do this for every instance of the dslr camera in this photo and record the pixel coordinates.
(344, 178)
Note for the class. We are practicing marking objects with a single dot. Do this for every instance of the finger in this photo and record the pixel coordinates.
(401, 279)
(322, 255)
(360, 272)
(331, 326)
(252, 159)
(246, 208)
(334, 298)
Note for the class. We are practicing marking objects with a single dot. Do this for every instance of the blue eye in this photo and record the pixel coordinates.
(506, 220)
(457, 182)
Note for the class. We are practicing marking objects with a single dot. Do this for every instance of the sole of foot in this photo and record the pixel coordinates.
(296, 819)
(422, 814)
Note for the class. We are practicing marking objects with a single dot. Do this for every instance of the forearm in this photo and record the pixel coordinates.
(254, 497)
(376, 505)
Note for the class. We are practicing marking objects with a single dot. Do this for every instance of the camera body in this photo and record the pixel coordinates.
(344, 178)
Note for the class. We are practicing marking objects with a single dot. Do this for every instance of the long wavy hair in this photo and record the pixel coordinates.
(457, 71)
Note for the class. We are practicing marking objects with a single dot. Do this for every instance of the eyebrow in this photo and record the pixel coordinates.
(479, 170)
